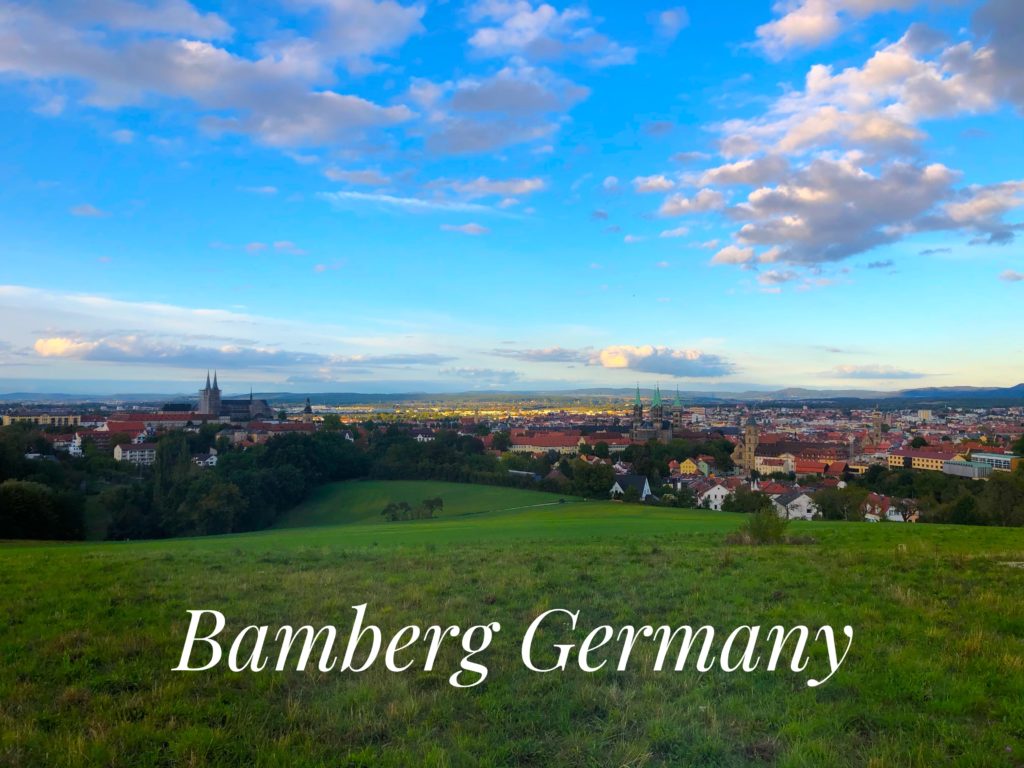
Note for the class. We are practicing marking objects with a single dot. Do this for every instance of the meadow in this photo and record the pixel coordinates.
(935, 674)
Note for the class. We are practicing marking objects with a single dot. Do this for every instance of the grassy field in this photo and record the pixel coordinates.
(361, 501)
(935, 675)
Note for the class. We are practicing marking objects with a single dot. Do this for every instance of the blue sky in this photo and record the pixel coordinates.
(371, 196)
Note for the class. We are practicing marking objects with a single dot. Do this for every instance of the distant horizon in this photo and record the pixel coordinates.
(166, 390)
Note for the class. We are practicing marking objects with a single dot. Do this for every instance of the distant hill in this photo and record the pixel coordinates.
(952, 394)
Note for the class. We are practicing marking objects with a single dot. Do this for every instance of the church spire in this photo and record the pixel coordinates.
(678, 403)
(207, 378)
(637, 400)
(215, 380)
(657, 396)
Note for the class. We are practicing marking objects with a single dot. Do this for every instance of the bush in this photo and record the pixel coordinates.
(766, 527)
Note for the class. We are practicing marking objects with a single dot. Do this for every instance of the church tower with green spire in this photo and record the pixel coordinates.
(657, 409)
(638, 408)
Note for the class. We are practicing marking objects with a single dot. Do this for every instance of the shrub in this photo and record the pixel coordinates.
(766, 527)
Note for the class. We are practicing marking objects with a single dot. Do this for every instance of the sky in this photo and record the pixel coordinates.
(375, 196)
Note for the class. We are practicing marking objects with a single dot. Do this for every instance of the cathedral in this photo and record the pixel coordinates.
(660, 422)
(212, 404)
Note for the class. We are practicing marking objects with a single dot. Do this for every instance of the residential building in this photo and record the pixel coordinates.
(143, 454)
(624, 482)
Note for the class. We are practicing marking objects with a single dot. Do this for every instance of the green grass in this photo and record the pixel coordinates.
(935, 675)
(361, 501)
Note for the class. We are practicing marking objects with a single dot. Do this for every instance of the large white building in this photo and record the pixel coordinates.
(142, 454)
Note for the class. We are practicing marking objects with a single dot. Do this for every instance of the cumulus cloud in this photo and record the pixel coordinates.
(705, 200)
(132, 58)
(810, 23)
(831, 209)
(733, 254)
(1010, 276)
(777, 277)
(518, 104)
(751, 171)
(542, 32)
(610, 183)
(656, 183)
(352, 32)
(871, 372)
(471, 228)
(680, 363)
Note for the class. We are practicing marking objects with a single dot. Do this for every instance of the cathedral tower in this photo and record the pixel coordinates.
(209, 397)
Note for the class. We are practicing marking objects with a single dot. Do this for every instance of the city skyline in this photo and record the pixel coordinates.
(352, 195)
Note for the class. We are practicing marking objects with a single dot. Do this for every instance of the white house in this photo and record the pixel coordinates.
(205, 459)
(795, 505)
(713, 497)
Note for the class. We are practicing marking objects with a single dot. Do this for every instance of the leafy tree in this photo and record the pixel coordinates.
(631, 495)
(746, 501)
(1002, 500)
(592, 481)
(601, 450)
(841, 503)
(501, 441)
(30, 510)
(918, 442)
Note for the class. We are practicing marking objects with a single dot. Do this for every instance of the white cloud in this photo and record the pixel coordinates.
(610, 183)
(705, 200)
(482, 186)
(810, 23)
(733, 254)
(751, 171)
(519, 104)
(657, 183)
(1011, 276)
(267, 98)
(471, 228)
(348, 198)
(542, 32)
(664, 360)
(366, 177)
(262, 190)
(871, 372)
(669, 22)
(677, 232)
(87, 210)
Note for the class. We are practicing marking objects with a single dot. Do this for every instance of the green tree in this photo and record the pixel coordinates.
(918, 442)
(592, 481)
(746, 501)
(841, 503)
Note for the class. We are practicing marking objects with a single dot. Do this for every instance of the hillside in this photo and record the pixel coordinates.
(935, 676)
(361, 501)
